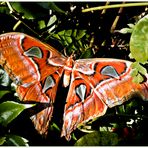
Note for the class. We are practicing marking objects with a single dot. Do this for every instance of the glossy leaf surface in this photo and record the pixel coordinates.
(139, 41)
(14, 140)
(98, 139)
(10, 110)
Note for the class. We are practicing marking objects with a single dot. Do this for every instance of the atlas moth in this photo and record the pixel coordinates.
(94, 84)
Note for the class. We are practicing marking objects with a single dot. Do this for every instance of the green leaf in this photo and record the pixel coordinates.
(54, 126)
(130, 56)
(138, 79)
(80, 34)
(72, 40)
(56, 36)
(4, 78)
(131, 25)
(3, 92)
(61, 34)
(74, 137)
(88, 53)
(121, 109)
(74, 33)
(14, 140)
(138, 67)
(98, 139)
(4, 9)
(134, 72)
(2, 140)
(137, 72)
(28, 11)
(139, 40)
(54, 7)
(68, 40)
(51, 22)
(130, 107)
(41, 24)
(9, 110)
(126, 30)
(68, 32)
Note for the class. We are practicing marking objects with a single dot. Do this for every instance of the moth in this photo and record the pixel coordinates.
(94, 84)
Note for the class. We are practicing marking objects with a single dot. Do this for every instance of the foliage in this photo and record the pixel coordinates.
(98, 138)
(139, 48)
(85, 35)
(138, 41)
(9, 110)
(14, 140)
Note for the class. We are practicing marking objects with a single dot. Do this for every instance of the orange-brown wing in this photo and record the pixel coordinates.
(95, 85)
(36, 68)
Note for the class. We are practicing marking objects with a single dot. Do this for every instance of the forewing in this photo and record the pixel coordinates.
(95, 85)
(36, 68)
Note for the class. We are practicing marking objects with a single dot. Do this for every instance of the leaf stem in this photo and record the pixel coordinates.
(115, 6)
(116, 20)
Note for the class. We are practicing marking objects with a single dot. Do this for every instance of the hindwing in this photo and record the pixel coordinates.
(95, 85)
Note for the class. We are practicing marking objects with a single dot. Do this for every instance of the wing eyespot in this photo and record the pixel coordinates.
(34, 52)
(49, 83)
(81, 91)
(110, 71)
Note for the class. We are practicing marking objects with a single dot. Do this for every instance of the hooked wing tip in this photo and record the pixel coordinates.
(41, 120)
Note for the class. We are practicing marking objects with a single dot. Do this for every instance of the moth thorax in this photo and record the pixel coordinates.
(67, 71)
